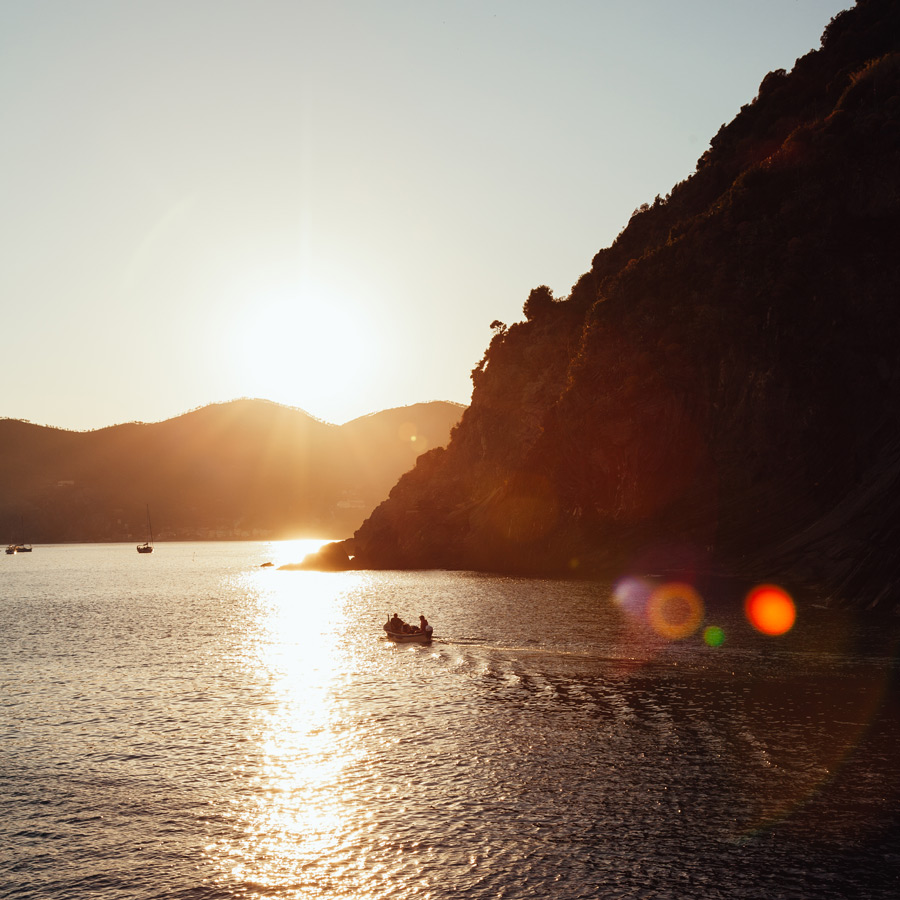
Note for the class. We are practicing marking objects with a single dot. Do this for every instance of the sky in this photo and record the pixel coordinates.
(326, 204)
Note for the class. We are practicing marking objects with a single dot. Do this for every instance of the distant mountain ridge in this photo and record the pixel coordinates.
(242, 469)
(720, 392)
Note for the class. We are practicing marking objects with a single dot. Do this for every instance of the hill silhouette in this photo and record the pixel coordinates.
(720, 392)
(244, 469)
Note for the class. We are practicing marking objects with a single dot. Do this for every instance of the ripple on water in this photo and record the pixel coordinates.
(217, 730)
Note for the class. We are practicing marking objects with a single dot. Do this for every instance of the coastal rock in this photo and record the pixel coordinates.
(720, 392)
(329, 558)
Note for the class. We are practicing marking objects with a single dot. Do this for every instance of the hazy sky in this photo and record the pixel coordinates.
(326, 204)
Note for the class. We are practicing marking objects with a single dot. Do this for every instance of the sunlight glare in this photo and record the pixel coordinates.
(292, 815)
(305, 343)
(281, 553)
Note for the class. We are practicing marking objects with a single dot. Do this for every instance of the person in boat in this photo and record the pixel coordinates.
(423, 624)
(395, 624)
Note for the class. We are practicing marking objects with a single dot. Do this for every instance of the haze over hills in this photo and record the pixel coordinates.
(244, 469)
(720, 392)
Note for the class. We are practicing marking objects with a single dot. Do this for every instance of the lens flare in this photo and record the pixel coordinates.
(770, 609)
(675, 610)
(713, 636)
(632, 595)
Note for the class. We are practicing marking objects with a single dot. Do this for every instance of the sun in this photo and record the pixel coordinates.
(306, 347)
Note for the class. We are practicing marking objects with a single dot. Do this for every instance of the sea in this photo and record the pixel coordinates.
(196, 724)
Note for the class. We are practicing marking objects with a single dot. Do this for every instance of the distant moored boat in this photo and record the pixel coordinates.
(147, 546)
(17, 547)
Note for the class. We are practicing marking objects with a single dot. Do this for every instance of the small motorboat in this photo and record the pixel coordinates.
(419, 637)
(413, 636)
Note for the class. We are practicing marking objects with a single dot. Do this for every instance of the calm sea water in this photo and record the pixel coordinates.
(190, 725)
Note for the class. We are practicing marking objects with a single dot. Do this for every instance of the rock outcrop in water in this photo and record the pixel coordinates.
(720, 392)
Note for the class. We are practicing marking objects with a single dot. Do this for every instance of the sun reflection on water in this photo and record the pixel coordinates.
(291, 812)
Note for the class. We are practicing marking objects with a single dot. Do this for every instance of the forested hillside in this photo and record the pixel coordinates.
(243, 469)
(720, 392)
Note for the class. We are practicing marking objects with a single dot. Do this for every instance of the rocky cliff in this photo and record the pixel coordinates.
(720, 392)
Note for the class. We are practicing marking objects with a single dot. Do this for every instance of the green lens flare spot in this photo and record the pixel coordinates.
(714, 636)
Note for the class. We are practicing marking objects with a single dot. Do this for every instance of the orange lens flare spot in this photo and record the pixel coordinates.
(770, 609)
(675, 610)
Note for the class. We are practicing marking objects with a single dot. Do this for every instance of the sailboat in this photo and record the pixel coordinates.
(147, 546)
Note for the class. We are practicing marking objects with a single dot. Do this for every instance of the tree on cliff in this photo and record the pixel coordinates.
(539, 303)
